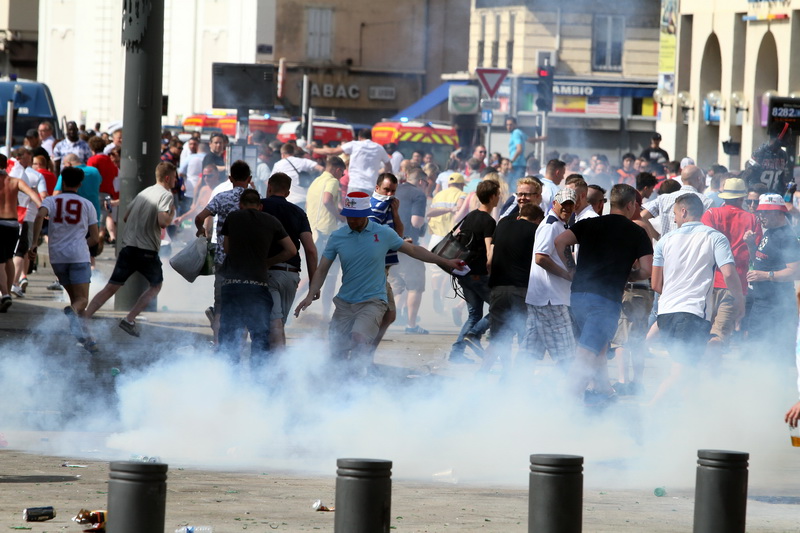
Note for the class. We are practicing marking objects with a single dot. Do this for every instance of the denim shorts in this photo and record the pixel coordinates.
(596, 320)
(72, 273)
(132, 259)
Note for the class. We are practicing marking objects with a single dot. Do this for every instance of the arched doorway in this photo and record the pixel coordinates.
(765, 79)
(708, 142)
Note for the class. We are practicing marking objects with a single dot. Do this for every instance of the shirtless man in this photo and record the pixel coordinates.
(9, 227)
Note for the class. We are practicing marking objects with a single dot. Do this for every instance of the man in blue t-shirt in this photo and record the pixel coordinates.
(516, 150)
(362, 301)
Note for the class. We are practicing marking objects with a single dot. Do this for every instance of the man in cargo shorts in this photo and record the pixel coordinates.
(361, 303)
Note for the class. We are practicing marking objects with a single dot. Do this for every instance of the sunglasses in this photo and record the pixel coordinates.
(751, 202)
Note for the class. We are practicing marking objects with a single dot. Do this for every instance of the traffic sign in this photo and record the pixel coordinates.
(486, 116)
(491, 78)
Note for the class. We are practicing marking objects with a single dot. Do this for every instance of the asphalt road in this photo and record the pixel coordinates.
(254, 452)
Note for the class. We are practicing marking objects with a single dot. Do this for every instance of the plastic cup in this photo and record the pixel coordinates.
(794, 434)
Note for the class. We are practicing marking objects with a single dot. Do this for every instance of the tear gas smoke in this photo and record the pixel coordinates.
(190, 407)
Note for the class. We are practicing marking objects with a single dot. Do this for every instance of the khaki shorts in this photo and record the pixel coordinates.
(389, 292)
(363, 318)
(283, 288)
(723, 319)
(408, 275)
(632, 327)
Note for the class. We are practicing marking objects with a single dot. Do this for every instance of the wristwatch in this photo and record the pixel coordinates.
(772, 275)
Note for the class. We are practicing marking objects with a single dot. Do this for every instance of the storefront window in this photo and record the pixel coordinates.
(608, 36)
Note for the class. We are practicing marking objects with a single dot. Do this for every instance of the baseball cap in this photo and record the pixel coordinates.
(733, 188)
(686, 161)
(656, 136)
(565, 195)
(31, 133)
(456, 177)
(356, 204)
(771, 202)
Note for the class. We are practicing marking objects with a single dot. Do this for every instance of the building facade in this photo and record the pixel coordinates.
(605, 57)
(366, 59)
(19, 29)
(728, 61)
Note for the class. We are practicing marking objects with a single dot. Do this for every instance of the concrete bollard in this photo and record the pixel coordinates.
(720, 493)
(555, 498)
(363, 496)
(137, 497)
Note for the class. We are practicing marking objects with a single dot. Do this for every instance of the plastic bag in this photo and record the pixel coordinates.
(190, 261)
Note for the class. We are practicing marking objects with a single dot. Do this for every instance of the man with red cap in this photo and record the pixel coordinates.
(773, 317)
(361, 302)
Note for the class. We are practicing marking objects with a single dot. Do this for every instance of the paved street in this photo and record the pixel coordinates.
(253, 453)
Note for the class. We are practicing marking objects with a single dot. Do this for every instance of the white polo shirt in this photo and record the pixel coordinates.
(549, 191)
(545, 288)
(688, 256)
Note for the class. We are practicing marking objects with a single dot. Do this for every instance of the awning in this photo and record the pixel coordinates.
(428, 102)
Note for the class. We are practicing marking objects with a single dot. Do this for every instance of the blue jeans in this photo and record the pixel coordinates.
(476, 293)
(245, 305)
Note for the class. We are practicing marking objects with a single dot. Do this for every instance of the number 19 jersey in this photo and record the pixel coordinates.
(70, 216)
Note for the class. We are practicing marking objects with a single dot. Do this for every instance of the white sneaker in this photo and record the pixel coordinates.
(17, 291)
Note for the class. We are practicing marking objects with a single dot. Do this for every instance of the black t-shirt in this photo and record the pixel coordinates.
(513, 252)
(213, 159)
(249, 234)
(476, 228)
(292, 218)
(656, 155)
(608, 247)
(412, 203)
(778, 247)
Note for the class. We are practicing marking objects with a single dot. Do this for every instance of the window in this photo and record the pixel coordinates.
(496, 42)
(318, 25)
(482, 41)
(608, 36)
(510, 42)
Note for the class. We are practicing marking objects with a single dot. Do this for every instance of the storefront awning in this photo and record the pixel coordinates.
(427, 102)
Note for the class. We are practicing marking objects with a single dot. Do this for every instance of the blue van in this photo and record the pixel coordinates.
(33, 103)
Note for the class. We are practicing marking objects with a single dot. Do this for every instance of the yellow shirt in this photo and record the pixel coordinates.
(321, 220)
(448, 198)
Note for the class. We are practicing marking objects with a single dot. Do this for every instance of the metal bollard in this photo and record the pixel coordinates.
(137, 497)
(555, 498)
(363, 496)
(720, 493)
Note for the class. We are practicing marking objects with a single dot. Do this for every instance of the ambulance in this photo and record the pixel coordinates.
(209, 123)
(438, 139)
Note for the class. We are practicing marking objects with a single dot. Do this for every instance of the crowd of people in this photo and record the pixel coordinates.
(579, 261)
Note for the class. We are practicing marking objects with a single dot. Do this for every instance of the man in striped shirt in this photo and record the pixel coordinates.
(386, 212)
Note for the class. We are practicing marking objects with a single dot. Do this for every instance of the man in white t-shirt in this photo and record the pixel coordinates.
(366, 158)
(683, 274)
(549, 323)
(71, 218)
(292, 166)
(22, 169)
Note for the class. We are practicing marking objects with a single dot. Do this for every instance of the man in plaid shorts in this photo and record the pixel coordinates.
(549, 322)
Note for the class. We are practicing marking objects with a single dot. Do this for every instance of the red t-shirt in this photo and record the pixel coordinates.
(108, 170)
(50, 180)
(733, 222)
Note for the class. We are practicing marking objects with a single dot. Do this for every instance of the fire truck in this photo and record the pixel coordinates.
(326, 132)
(209, 123)
(438, 139)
